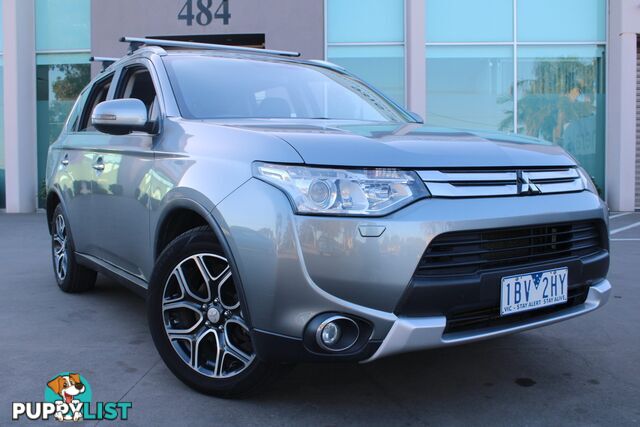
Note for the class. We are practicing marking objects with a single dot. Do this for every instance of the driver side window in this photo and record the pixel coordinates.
(137, 83)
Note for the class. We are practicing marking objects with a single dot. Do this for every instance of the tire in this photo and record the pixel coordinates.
(193, 299)
(70, 276)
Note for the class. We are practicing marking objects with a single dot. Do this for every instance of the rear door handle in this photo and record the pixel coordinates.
(65, 160)
(99, 165)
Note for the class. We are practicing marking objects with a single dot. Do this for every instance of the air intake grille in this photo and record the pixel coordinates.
(490, 316)
(470, 252)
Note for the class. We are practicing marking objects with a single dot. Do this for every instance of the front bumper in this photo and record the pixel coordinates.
(412, 334)
(294, 267)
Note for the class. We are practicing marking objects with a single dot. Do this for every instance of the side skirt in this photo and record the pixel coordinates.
(128, 280)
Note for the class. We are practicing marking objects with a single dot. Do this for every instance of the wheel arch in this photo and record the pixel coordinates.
(53, 199)
(189, 207)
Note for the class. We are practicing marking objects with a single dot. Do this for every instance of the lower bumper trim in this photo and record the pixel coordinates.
(278, 348)
(411, 334)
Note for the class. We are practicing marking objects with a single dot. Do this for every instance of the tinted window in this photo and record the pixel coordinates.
(213, 87)
(76, 113)
(98, 94)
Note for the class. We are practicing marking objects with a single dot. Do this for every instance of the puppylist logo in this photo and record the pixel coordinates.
(67, 397)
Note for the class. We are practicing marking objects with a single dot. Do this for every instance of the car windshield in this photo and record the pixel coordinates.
(217, 88)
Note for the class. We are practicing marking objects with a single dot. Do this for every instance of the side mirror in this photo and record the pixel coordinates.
(120, 116)
(417, 117)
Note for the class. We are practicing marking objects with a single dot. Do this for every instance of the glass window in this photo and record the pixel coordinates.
(470, 87)
(380, 66)
(227, 88)
(63, 24)
(365, 21)
(469, 20)
(58, 86)
(98, 94)
(137, 83)
(566, 20)
(561, 99)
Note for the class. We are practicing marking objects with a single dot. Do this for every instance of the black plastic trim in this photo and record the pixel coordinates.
(447, 295)
(278, 348)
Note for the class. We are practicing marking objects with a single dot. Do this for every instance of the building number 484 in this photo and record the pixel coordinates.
(204, 15)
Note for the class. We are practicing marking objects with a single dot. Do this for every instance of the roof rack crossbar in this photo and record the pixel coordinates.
(106, 61)
(136, 42)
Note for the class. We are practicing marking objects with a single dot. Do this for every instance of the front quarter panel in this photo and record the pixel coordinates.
(203, 163)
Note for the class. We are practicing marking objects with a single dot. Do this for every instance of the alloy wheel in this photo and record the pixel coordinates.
(203, 318)
(60, 258)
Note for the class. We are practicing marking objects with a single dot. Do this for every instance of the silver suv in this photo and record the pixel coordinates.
(275, 210)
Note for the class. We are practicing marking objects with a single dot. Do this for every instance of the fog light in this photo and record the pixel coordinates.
(335, 333)
(331, 334)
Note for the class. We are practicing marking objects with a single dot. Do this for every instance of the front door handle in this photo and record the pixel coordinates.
(99, 165)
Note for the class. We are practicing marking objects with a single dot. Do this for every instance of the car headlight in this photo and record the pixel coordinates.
(359, 192)
(587, 182)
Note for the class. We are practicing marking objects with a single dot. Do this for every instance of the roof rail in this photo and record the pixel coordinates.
(136, 43)
(106, 62)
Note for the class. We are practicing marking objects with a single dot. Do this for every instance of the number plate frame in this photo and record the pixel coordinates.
(535, 290)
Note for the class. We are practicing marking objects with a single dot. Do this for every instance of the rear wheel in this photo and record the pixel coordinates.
(197, 320)
(70, 276)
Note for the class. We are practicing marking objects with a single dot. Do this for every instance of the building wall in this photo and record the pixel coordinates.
(296, 25)
(624, 26)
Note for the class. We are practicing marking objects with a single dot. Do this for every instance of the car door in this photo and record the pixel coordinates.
(122, 167)
(75, 159)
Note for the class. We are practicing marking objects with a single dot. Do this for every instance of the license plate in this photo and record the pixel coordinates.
(531, 291)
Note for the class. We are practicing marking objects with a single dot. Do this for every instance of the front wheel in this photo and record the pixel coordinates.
(197, 321)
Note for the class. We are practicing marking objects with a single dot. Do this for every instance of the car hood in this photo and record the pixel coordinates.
(348, 143)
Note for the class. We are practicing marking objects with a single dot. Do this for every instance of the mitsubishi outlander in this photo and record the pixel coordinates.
(275, 210)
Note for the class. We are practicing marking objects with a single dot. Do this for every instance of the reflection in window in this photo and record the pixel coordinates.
(561, 99)
(467, 86)
(58, 86)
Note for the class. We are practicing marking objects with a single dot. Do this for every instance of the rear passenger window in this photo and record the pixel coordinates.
(98, 94)
(76, 113)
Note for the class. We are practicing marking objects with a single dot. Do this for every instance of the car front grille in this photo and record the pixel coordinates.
(501, 182)
(471, 252)
(490, 316)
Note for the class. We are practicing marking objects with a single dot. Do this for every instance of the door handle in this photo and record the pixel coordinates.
(99, 165)
(65, 160)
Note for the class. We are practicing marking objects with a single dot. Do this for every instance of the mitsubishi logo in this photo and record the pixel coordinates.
(525, 185)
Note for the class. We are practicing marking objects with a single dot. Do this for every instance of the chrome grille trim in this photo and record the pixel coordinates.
(524, 182)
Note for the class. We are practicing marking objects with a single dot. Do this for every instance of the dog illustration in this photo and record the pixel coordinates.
(67, 387)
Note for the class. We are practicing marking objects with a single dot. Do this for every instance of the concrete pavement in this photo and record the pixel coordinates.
(582, 372)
